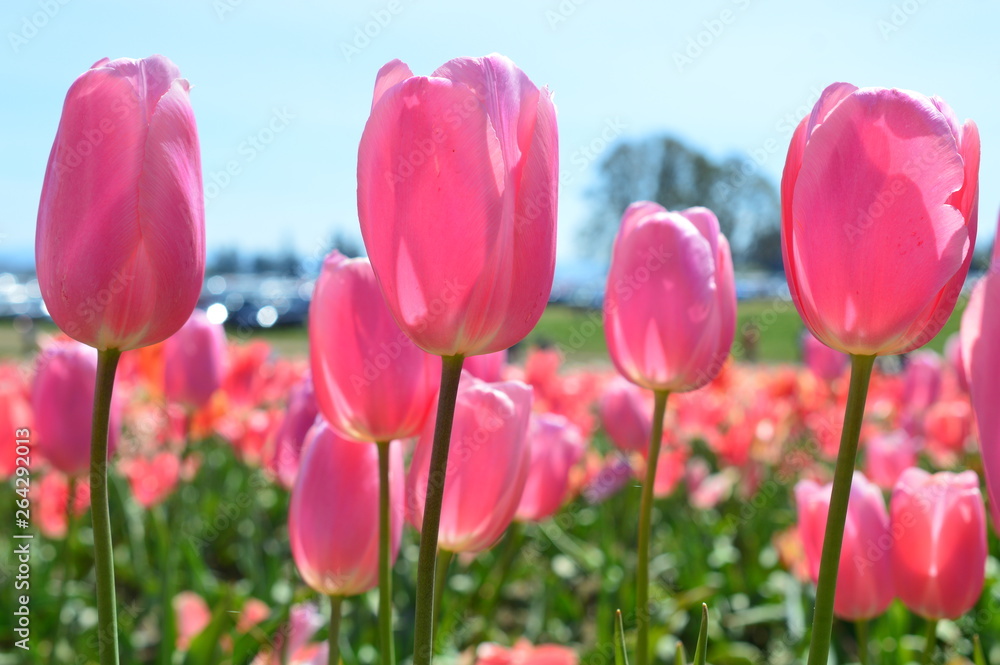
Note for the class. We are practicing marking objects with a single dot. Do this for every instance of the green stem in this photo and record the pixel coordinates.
(67, 563)
(441, 580)
(645, 519)
(384, 562)
(833, 539)
(930, 641)
(862, 635)
(423, 628)
(104, 563)
(333, 639)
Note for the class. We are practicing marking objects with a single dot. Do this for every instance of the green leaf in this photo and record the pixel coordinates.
(681, 657)
(977, 652)
(621, 657)
(204, 648)
(700, 652)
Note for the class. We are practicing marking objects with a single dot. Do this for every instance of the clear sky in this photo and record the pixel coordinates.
(726, 75)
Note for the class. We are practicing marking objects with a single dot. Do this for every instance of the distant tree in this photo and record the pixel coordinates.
(225, 261)
(665, 170)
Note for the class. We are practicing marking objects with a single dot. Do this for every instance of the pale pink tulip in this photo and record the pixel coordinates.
(192, 615)
(339, 477)
(939, 557)
(670, 303)
(120, 242)
(457, 186)
(487, 465)
(556, 447)
(626, 415)
(372, 383)
(864, 582)
(194, 361)
(878, 217)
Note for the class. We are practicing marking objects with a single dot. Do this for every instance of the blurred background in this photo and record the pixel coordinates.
(681, 103)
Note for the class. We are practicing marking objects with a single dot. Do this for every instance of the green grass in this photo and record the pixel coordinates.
(766, 331)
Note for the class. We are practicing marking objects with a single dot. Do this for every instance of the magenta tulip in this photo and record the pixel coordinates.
(939, 557)
(457, 187)
(887, 456)
(62, 398)
(556, 447)
(879, 208)
(825, 363)
(921, 381)
(333, 520)
(372, 383)
(625, 415)
(864, 583)
(194, 360)
(300, 415)
(487, 367)
(120, 242)
(670, 305)
(487, 465)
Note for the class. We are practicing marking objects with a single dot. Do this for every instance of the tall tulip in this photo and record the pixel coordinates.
(556, 446)
(194, 361)
(670, 319)
(457, 192)
(879, 202)
(340, 557)
(865, 589)
(939, 557)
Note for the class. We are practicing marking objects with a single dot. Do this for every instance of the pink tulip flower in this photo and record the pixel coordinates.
(291, 435)
(864, 581)
(120, 242)
(556, 447)
(194, 361)
(457, 186)
(921, 381)
(339, 477)
(372, 383)
(670, 304)
(939, 558)
(487, 465)
(826, 363)
(888, 455)
(487, 367)
(878, 217)
(192, 615)
(626, 415)
(953, 357)
(524, 653)
(62, 398)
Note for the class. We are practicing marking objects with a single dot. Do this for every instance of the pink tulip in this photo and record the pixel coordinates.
(948, 425)
(372, 383)
(921, 381)
(63, 401)
(254, 612)
(339, 477)
(120, 243)
(888, 455)
(826, 363)
(194, 361)
(878, 222)
(15, 414)
(981, 354)
(670, 469)
(292, 641)
(487, 367)
(291, 435)
(953, 357)
(670, 304)
(626, 415)
(524, 653)
(556, 447)
(154, 479)
(457, 187)
(939, 557)
(52, 503)
(487, 465)
(864, 581)
(192, 616)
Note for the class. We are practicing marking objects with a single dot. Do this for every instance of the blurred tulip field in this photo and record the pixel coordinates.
(199, 507)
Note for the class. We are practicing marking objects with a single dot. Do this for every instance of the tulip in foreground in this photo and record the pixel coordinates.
(879, 206)
(457, 191)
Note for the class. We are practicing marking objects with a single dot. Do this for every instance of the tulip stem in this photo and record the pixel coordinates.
(384, 560)
(104, 562)
(423, 629)
(862, 635)
(833, 539)
(930, 641)
(333, 638)
(444, 558)
(645, 519)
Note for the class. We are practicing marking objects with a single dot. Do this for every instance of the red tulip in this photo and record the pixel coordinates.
(939, 558)
(15, 414)
(372, 383)
(556, 447)
(120, 243)
(864, 583)
(457, 185)
(626, 415)
(194, 361)
(63, 401)
(670, 305)
(339, 477)
(879, 208)
(487, 465)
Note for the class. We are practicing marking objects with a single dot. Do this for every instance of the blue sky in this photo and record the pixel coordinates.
(725, 75)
